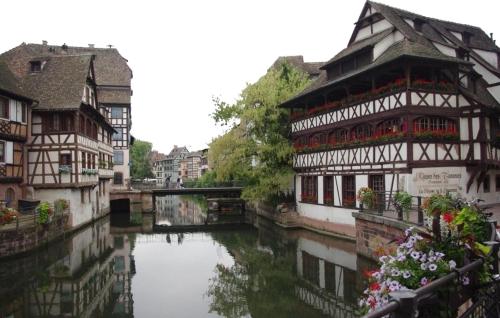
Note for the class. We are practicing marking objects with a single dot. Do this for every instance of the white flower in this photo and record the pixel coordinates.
(432, 258)
(439, 255)
(406, 274)
(423, 258)
(424, 281)
(412, 239)
(465, 280)
(409, 245)
(395, 272)
(452, 264)
(433, 267)
(415, 255)
(394, 285)
(401, 258)
(423, 266)
(408, 231)
(383, 258)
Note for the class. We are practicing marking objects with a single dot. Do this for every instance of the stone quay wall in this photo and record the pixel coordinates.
(27, 238)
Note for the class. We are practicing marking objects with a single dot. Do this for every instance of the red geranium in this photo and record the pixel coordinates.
(448, 217)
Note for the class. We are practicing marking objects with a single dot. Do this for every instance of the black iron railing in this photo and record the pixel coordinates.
(385, 205)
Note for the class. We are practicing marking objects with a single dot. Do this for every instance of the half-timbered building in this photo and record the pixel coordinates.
(411, 104)
(69, 147)
(113, 87)
(14, 122)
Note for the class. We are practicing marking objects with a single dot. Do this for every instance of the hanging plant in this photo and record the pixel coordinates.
(45, 213)
(402, 202)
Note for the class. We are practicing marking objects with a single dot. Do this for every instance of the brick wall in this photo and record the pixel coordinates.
(373, 234)
(14, 242)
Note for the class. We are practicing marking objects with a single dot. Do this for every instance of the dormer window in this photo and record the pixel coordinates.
(35, 66)
(418, 24)
(466, 37)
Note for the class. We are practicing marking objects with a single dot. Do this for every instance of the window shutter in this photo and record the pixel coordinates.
(9, 152)
(12, 109)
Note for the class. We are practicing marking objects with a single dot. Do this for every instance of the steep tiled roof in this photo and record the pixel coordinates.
(8, 83)
(177, 151)
(110, 67)
(311, 68)
(113, 96)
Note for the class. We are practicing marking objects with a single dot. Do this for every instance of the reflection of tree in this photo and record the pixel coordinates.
(261, 283)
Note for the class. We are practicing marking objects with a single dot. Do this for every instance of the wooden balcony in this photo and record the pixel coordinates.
(13, 130)
(370, 104)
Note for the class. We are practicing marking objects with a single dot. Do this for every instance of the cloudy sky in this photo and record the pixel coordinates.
(184, 52)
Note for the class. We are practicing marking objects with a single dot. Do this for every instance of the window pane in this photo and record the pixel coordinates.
(116, 112)
(118, 134)
(118, 157)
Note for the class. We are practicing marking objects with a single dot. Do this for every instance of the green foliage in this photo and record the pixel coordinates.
(44, 212)
(139, 156)
(473, 224)
(403, 200)
(256, 149)
(438, 203)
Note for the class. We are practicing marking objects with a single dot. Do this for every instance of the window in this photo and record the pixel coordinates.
(328, 189)
(82, 195)
(310, 268)
(330, 277)
(339, 136)
(65, 159)
(361, 132)
(17, 111)
(83, 160)
(93, 161)
(377, 183)
(118, 135)
(118, 178)
(2, 151)
(486, 184)
(309, 189)
(434, 124)
(89, 160)
(35, 66)
(94, 131)
(10, 197)
(389, 127)
(4, 107)
(88, 128)
(497, 182)
(116, 112)
(348, 191)
(118, 157)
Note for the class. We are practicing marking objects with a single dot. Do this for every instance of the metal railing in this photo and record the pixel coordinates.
(384, 205)
(28, 216)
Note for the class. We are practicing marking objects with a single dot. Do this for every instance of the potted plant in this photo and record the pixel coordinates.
(366, 196)
(402, 203)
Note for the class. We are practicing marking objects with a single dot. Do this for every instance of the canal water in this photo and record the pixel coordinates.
(115, 268)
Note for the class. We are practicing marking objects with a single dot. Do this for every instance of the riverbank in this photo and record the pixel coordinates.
(16, 242)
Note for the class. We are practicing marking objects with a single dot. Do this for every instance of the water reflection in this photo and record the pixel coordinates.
(112, 270)
(180, 210)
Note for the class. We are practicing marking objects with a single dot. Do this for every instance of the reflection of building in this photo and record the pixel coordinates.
(124, 269)
(175, 210)
(410, 100)
(80, 283)
(331, 269)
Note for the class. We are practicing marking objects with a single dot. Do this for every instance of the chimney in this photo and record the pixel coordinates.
(44, 42)
(91, 45)
(64, 47)
(110, 45)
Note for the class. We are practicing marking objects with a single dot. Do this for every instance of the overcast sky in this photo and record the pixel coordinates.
(184, 52)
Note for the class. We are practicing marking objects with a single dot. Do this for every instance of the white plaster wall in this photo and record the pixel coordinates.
(381, 26)
(124, 168)
(326, 213)
(495, 91)
(487, 75)
(80, 212)
(363, 33)
(490, 57)
(457, 34)
(445, 49)
(385, 43)
(410, 22)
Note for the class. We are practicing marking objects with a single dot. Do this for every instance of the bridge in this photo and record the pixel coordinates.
(211, 192)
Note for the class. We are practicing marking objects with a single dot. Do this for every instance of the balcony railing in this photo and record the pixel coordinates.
(399, 85)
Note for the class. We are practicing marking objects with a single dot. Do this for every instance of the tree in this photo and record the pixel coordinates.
(256, 149)
(140, 164)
